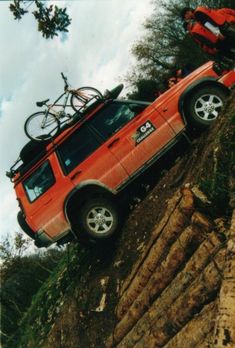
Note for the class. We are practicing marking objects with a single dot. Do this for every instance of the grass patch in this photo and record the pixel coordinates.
(48, 301)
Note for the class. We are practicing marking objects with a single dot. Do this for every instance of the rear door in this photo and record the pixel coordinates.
(84, 159)
(43, 199)
(37, 187)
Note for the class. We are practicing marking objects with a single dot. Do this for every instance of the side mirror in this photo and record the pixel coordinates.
(137, 107)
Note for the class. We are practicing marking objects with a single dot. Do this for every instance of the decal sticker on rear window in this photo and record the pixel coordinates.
(143, 132)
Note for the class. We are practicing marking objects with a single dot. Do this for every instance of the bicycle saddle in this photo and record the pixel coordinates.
(41, 103)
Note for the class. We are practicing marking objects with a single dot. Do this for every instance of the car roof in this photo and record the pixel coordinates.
(21, 169)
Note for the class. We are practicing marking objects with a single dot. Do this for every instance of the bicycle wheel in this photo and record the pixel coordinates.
(41, 127)
(84, 96)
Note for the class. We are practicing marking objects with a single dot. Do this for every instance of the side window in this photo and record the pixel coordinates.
(111, 118)
(77, 148)
(39, 182)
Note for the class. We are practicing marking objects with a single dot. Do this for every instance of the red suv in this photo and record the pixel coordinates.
(70, 187)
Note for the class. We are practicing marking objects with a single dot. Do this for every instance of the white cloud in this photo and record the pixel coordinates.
(96, 52)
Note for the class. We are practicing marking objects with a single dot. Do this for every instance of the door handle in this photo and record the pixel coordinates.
(47, 202)
(113, 142)
(75, 174)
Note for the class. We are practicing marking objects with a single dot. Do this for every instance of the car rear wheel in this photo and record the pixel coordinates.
(98, 218)
(204, 106)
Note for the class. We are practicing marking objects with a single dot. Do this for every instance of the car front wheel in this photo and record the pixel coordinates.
(99, 218)
(205, 105)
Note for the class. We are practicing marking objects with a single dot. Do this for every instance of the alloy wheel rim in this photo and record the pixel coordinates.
(100, 220)
(208, 106)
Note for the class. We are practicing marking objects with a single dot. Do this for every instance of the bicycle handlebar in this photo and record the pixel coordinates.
(65, 80)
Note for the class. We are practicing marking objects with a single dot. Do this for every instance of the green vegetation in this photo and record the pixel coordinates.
(51, 20)
(165, 47)
(22, 275)
(47, 301)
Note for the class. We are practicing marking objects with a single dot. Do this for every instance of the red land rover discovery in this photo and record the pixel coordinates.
(69, 187)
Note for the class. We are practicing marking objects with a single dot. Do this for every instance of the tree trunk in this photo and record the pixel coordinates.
(173, 202)
(201, 291)
(207, 342)
(179, 253)
(196, 330)
(169, 232)
(192, 269)
(169, 298)
(225, 323)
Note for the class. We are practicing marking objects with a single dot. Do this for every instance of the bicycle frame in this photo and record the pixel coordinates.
(55, 103)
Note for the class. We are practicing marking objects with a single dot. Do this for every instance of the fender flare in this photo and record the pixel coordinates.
(211, 81)
(88, 186)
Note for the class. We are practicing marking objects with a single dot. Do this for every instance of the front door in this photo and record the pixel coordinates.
(133, 133)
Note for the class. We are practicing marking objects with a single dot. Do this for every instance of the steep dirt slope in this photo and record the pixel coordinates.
(177, 277)
(163, 282)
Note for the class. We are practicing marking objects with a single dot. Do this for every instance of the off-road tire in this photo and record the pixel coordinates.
(98, 219)
(204, 105)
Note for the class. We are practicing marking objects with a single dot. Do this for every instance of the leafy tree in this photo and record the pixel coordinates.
(51, 20)
(22, 274)
(165, 46)
(146, 90)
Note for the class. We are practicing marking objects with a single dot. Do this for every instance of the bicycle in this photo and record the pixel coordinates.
(45, 125)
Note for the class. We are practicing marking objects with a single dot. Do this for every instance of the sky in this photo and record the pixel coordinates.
(96, 52)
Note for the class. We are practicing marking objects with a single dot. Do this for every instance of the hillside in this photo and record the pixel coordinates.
(163, 282)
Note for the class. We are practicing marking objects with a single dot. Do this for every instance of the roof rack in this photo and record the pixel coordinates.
(15, 168)
(21, 166)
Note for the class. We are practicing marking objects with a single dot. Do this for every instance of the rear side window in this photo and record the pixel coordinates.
(77, 148)
(39, 182)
